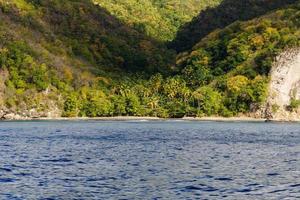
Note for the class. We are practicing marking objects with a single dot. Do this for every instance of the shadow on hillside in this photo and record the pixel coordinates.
(91, 33)
(221, 16)
(110, 41)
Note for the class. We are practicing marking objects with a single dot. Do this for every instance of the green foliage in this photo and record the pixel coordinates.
(294, 105)
(97, 108)
(75, 57)
(209, 101)
(228, 12)
(159, 19)
(95, 104)
(86, 31)
(71, 106)
(236, 61)
(133, 107)
(25, 73)
(275, 108)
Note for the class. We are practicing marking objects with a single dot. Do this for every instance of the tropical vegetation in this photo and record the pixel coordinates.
(73, 56)
(159, 19)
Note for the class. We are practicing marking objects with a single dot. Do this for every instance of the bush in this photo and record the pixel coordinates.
(71, 106)
(294, 105)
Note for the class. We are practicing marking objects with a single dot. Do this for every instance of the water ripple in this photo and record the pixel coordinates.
(149, 160)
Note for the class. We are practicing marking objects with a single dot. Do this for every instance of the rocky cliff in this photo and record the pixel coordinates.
(284, 86)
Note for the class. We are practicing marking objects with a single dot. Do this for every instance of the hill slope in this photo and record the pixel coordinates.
(235, 62)
(159, 19)
(88, 30)
(221, 16)
(51, 48)
(72, 58)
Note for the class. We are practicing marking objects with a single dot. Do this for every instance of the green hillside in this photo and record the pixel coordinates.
(88, 31)
(221, 16)
(159, 19)
(234, 63)
(73, 58)
(64, 46)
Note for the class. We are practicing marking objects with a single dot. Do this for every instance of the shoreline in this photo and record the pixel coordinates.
(133, 118)
(226, 119)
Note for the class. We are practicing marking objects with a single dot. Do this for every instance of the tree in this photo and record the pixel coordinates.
(71, 106)
(209, 101)
(236, 84)
(133, 106)
(119, 104)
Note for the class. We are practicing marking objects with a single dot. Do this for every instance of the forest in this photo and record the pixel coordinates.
(125, 58)
(159, 19)
(226, 13)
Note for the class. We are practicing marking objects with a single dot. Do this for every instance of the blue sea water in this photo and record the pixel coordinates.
(149, 160)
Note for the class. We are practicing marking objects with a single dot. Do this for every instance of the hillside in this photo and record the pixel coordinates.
(221, 16)
(52, 48)
(73, 58)
(235, 62)
(159, 19)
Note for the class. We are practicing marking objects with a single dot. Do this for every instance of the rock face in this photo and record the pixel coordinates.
(284, 86)
(6, 114)
(53, 112)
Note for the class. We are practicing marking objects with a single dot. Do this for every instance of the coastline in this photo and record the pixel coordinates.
(133, 118)
(119, 118)
(226, 119)
(144, 118)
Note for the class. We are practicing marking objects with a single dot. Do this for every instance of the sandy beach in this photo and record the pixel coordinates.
(136, 118)
(132, 118)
